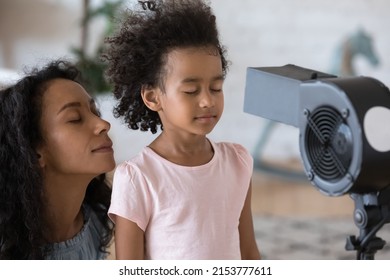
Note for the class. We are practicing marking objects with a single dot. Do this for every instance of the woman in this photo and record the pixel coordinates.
(54, 152)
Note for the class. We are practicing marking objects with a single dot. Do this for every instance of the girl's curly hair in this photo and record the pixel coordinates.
(136, 55)
(21, 180)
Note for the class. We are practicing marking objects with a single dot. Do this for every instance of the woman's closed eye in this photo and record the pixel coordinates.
(74, 119)
(78, 120)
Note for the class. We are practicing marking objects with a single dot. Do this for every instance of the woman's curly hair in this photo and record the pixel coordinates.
(21, 180)
(136, 55)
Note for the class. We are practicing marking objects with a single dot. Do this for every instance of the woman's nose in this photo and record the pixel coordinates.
(102, 125)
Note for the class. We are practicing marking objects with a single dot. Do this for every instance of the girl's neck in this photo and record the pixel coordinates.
(187, 152)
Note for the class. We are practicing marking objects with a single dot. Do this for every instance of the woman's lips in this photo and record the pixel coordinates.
(106, 147)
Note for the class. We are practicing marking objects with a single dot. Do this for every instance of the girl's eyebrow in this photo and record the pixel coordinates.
(194, 79)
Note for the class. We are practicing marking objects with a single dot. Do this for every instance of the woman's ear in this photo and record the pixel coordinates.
(150, 96)
(40, 157)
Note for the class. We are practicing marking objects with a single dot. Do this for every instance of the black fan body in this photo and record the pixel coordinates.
(330, 113)
(334, 148)
(338, 137)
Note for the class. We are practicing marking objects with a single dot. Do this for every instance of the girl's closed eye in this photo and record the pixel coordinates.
(217, 86)
(216, 90)
(191, 91)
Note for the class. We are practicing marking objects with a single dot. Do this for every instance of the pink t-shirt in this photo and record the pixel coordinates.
(185, 212)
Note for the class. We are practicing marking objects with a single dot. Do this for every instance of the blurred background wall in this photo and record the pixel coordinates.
(256, 33)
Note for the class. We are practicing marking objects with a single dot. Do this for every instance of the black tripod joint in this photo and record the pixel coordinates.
(371, 213)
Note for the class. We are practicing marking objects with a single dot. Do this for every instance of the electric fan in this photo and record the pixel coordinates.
(344, 136)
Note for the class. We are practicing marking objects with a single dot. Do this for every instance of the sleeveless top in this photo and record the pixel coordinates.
(84, 245)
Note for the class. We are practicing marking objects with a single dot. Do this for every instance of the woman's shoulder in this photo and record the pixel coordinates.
(85, 245)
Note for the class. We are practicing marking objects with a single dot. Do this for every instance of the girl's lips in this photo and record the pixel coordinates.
(205, 118)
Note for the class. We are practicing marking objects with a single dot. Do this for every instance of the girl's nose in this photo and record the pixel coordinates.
(206, 99)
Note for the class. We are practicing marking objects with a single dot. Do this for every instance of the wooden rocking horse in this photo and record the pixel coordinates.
(356, 44)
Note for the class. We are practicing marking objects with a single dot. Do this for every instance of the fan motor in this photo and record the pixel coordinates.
(328, 142)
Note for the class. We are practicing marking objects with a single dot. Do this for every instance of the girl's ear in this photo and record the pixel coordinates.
(150, 96)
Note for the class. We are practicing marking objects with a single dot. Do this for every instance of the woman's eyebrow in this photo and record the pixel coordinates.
(76, 104)
(69, 105)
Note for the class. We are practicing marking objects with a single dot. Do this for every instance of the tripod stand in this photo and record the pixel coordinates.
(372, 211)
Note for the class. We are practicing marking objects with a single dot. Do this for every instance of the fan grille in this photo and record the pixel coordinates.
(328, 144)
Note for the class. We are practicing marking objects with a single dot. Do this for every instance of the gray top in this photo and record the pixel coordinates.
(83, 246)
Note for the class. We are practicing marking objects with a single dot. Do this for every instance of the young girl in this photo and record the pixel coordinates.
(184, 196)
(53, 148)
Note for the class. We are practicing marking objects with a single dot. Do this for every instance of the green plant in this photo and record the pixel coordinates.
(91, 65)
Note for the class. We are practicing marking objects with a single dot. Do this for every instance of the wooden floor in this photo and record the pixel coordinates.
(272, 195)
